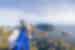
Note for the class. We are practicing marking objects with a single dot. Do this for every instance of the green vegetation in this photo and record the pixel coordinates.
(59, 43)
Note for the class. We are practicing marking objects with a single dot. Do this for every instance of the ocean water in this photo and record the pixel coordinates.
(69, 29)
(58, 35)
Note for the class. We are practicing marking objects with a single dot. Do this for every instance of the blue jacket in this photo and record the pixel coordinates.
(22, 41)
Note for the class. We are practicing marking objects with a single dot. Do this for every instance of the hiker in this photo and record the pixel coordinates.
(22, 38)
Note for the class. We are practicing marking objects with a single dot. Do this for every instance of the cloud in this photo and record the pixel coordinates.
(12, 16)
(9, 16)
(69, 17)
(62, 15)
(60, 11)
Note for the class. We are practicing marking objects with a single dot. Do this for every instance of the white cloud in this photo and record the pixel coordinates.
(58, 16)
(69, 16)
(9, 16)
(12, 17)
(55, 15)
(62, 15)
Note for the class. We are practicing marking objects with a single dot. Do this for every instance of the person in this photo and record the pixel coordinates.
(20, 36)
(23, 41)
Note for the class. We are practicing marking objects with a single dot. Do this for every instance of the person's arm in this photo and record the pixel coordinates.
(30, 30)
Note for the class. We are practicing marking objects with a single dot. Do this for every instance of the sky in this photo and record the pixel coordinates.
(55, 11)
